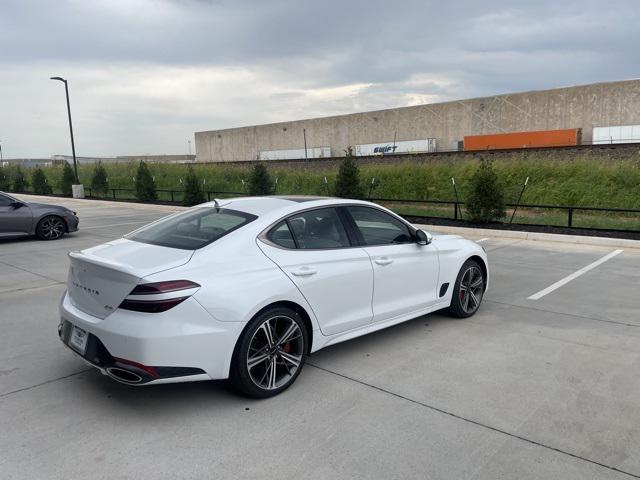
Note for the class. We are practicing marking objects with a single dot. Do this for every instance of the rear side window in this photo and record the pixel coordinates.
(379, 228)
(314, 229)
(281, 235)
(192, 229)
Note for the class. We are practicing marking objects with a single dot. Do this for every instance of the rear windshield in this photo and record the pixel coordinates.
(192, 229)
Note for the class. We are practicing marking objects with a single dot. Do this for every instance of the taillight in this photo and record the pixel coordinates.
(163, 287)
(161, 291)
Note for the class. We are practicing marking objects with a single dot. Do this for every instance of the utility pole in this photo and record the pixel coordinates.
(73, 146)
(304, 134)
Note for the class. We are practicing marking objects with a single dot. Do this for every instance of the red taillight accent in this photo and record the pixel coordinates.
(157, 288)
(150, 370)
(163, 287)
(151, 306)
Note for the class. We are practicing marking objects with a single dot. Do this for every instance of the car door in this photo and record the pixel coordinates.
(14, 221)
(314, 250)
(405, 274)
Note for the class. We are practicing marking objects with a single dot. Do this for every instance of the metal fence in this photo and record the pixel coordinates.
(564, 216)
(568, 216)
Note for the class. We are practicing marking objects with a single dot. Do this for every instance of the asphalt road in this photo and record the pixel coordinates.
(528, 388)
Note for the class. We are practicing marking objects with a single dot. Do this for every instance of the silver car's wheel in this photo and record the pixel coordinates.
(51, 228)
(270, 353)
(468, 290)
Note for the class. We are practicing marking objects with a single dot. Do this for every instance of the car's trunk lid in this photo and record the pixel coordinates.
(101, 277)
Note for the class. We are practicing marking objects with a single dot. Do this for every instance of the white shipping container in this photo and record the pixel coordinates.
(295, 154)
(616, 134)
(407, 146)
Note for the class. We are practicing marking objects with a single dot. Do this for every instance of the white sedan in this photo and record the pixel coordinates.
(245, 288)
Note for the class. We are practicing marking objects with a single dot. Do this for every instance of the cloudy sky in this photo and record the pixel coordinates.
(145, 74)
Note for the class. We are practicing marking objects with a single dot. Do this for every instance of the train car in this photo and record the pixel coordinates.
(542, 138)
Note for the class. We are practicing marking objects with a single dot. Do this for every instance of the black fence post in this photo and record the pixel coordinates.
(171, 195)
(113, 192)
(208, 196)
(570, 219)
(455, 210)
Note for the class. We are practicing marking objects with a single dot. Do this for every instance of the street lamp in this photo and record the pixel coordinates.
(1, 159)
(73, 147)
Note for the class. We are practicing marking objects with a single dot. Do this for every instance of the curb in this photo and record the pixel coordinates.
(535, 236)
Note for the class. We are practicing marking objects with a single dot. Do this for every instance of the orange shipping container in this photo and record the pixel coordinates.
(541, 138)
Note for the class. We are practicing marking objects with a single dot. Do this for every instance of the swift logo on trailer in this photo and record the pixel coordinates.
(385, 149)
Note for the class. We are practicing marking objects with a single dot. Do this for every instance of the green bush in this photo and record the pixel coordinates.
(260, 181)
(193, 194)
(39, 182)
(99, 181)
(5, 180)
(68, 179)
(485, 202)
(20, 182)
(145, 184)
(348, 179)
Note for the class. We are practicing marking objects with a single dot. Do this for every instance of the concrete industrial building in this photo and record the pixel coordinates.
(605, 112)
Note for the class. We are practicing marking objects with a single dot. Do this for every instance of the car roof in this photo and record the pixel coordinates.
(264, 206)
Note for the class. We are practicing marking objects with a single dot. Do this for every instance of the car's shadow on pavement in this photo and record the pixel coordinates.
(152, 400)
(172, 398)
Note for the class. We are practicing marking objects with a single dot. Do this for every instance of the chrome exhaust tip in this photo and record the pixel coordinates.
(123, 375)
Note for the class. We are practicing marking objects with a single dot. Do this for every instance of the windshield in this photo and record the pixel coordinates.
(192, 229)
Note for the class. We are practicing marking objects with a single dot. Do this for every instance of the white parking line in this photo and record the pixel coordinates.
(573, 276)
(482, 240)
(114, 225)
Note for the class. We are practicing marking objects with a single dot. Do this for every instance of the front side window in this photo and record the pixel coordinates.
(379, 228)
(192, 229)
(318, 229)
(5, 200)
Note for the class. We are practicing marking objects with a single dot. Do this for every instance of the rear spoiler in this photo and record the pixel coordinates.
(103, 262)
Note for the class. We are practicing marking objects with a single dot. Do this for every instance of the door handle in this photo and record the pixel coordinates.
(304, 272)
(383, 260)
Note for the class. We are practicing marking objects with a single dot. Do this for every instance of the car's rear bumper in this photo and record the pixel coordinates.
(182, 344)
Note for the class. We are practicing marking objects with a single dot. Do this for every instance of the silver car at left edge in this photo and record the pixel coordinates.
(45, 221)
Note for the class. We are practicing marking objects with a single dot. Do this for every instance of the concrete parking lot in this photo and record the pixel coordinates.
(528, 388)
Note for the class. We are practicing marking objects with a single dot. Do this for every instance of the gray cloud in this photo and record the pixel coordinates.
(146, 74)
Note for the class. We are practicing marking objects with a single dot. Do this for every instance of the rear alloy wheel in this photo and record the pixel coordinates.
(270, 353)
(468, 290)
(50, 228)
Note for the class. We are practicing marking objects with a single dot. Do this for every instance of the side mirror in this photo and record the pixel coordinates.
(423, 238)
(17, 205)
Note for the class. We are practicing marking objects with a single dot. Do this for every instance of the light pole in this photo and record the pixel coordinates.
(1, 159)
(73, 147)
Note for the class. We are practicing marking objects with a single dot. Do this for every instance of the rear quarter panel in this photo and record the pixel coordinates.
(237, 281)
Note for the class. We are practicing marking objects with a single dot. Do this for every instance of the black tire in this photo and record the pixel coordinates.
(286, 346)
(51, 227)
(468, 290)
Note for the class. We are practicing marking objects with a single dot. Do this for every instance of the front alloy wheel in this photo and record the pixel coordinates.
(270, 354)
(468, 291)
(50, 228)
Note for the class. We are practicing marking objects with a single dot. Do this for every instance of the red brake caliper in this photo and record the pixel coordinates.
(287, 347)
